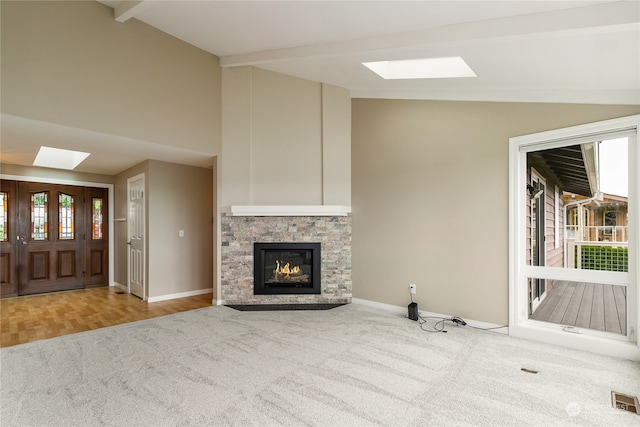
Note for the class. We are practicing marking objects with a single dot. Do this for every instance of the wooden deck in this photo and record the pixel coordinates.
(585, 305)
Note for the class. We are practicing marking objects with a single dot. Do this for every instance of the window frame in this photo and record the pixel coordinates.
(519, 323)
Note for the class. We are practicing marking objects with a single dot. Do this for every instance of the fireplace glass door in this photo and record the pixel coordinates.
(286, 268)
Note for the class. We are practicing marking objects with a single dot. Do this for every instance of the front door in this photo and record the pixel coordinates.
(50, 237)
(8, 242)
(53, 238)
(136, 235)
(96, 250)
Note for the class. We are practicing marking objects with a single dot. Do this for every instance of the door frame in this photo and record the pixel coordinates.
(519, 323)
(110, 197)
(541, 244)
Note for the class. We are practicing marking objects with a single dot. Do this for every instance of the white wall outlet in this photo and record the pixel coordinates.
(180, 233)
(412, 288)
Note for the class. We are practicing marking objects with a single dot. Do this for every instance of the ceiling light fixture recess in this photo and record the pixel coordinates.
(427, 68)
(59, 158)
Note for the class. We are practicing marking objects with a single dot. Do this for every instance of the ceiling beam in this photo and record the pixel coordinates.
(128, 9)
(607, 17)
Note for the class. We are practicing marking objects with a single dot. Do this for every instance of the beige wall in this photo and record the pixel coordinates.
(234, 183)
(286, 152)
(177, 197)
(430, 198)
(286, 141)
(71, 63)
(180, 198)
(336, 146)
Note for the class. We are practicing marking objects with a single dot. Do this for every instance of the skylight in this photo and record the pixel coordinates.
(58, 158)
(428, 68)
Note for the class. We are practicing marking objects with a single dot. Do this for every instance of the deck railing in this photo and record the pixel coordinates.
(605, 256)
(598, 233)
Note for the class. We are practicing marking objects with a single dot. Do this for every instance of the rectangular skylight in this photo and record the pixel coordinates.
(428, 68)
(58, 158)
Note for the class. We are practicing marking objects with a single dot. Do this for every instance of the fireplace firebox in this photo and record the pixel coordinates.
(286, 268)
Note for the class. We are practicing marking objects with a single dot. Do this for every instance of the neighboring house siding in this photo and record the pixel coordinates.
(554, 253)
(555, 257)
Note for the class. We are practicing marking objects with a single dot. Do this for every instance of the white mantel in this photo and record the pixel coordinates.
(286, 210)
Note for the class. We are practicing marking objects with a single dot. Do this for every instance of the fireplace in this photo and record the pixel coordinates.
(286, 268)
(241, 227)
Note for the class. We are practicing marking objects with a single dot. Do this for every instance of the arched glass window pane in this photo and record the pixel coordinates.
(39, 221)
(96, 219)
(66, 223)
(4, 227)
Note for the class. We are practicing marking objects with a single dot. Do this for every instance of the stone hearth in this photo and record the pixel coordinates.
(241, 227)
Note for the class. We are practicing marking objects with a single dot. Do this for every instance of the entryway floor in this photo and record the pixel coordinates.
(31, 318)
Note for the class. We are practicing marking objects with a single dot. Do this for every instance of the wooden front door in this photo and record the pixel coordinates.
(96, 249)
(60, 238)
(8, 239)
(50, 245)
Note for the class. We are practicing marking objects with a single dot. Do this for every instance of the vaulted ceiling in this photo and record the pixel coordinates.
(523, 51)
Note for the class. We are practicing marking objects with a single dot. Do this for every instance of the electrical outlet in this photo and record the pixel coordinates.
(412, 288)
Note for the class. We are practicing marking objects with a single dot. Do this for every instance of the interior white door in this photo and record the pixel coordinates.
(136, 237)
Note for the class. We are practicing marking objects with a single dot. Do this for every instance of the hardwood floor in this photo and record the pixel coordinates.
(585, 305)
(30, 318)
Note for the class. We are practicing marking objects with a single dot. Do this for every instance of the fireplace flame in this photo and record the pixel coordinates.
(286, 270)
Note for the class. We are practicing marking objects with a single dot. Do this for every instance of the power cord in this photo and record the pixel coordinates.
(439, 325)
(458, 321)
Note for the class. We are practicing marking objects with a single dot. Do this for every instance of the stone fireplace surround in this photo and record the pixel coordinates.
(242, 226)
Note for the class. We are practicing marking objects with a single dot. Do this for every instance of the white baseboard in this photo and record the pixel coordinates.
(380, 305)
(180, 295)
(397, 309)
(118, 285)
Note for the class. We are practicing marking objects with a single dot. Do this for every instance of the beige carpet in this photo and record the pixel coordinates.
(349, 366)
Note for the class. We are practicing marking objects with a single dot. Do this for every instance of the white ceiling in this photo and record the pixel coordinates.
(522, 51)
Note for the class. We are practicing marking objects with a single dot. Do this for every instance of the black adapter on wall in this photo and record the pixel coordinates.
(413, 311)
